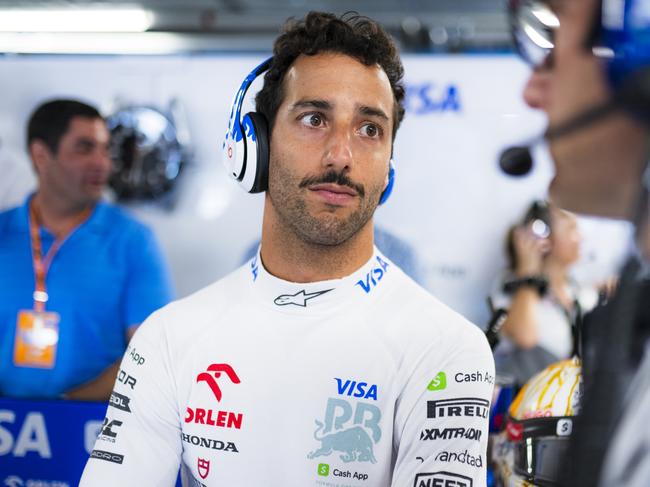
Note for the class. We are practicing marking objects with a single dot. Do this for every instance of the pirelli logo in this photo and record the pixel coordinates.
(458, 407)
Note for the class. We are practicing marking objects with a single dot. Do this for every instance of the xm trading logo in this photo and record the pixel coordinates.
(211, 378)
(451, 433)
(346, 429)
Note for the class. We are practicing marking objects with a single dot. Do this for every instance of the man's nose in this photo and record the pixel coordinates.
(102, 160)
(338, 149)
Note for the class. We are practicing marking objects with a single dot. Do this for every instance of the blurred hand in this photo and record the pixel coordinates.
(530, 251)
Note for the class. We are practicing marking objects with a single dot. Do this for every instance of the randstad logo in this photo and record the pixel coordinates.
(438, 383)
(374, 276)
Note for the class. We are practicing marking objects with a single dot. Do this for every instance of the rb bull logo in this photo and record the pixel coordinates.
(203, 466)
(353, 441)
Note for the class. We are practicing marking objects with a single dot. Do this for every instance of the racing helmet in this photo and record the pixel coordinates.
(534, 444)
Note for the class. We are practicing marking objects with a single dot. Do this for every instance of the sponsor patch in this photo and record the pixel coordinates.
(451, 434)
(213, 373)
(120, 401)
(438, 383)
(442, 479)
(107, 456)
(462, 406)
(350, 431)
(352, 388)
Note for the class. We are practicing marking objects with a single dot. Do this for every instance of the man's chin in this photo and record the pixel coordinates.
(583, 199)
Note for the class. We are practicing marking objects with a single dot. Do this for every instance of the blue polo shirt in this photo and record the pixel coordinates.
(107, 276)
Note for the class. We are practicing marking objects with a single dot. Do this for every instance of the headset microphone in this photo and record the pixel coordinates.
(518, 161)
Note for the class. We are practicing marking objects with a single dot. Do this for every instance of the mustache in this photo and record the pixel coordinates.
(333, 177)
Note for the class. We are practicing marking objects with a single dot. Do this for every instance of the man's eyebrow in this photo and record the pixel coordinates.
(320, 104)
(373, 112)
(85, 141)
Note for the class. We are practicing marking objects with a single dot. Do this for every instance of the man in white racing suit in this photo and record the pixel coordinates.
(319, 362)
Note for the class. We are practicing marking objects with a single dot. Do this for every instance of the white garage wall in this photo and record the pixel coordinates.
(450, 202)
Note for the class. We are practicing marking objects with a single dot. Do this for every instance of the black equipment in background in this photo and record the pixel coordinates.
(148, 151)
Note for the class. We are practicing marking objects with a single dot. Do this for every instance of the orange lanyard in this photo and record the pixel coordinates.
(42, 265)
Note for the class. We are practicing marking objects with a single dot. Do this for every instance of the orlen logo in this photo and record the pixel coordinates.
(356, 389)
(221, 419)
(374, 276)
(211, 378)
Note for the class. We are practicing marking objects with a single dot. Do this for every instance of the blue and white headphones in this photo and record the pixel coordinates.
(246, 145)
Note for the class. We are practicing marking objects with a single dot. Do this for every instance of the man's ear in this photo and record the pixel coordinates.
(40, 154)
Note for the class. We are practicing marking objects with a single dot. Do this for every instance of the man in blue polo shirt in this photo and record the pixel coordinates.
(76, 275)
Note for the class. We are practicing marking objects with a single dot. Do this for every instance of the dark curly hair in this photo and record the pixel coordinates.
(353, 35)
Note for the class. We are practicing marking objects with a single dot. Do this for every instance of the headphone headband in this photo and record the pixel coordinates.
(236, 150)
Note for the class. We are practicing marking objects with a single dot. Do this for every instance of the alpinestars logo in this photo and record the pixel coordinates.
(298, 299)
(211, 378)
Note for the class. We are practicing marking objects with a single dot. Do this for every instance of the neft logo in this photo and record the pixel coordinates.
(223, 419)
(109, 428)
(209, 443)
(451, 434)
(442, 479)
(463, 457)
(108, 456)
(463, 406)
(438, 383)
(356, 389)
(120, 401)
(216, 370)
(374, 276)
(135, 356)
(474, 377)
(126, 379)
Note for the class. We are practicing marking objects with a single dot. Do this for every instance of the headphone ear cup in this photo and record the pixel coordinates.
(391, 182)
(261, 128)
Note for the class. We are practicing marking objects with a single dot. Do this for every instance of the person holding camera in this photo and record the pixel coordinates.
(544, 305)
